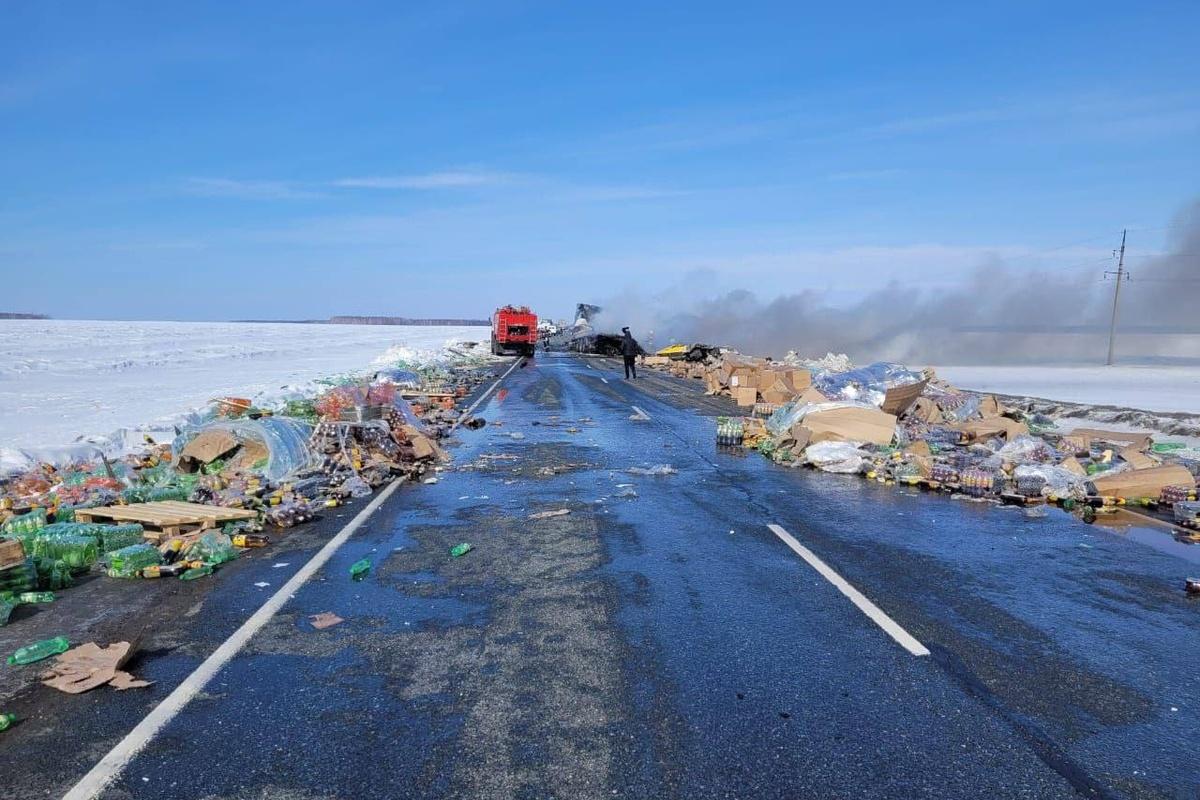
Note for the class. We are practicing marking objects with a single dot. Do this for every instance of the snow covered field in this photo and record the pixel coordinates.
(1174, 389)
(62, 379)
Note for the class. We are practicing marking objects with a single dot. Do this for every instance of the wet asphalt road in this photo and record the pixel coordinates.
(660, 641)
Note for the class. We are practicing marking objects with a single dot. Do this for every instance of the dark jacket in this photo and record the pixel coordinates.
(629, 346)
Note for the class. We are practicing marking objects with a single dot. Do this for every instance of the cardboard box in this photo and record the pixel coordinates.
(990, 407)
(851, 425)
(987, 428)
(899, 399)
(1072, 465)
(926, 410)
(1143, 482)
(811, 395)
(918, 448)
(1138, 441)
(11, 553)
(798, 379)
(776, 396)
(1137, 459)
(656, 361)
(799, 437)
(208, 447)
(746, 396)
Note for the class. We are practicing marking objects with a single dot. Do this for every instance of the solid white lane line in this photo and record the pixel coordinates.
(643, 414)
(111, 766)
(889, 625)
(471, 409)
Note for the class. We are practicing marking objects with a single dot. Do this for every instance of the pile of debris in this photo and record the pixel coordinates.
(892, 424)
(181, 509)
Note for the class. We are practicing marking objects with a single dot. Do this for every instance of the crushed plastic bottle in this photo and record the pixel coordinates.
(39, 650)
(6, 721)
(359, 569)
(461, 549)
(35, 597)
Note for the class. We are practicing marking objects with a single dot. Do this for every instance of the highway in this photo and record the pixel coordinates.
(730, 628)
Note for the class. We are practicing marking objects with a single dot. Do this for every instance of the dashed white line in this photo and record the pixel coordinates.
(641, 413)
(876, 615)
(604, 380)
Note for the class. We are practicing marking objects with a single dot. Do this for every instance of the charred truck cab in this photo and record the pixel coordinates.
(514, 330)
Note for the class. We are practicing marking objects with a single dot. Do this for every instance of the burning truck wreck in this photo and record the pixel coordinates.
(582, 336)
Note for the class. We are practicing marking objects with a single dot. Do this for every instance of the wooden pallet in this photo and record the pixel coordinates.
(165, 518)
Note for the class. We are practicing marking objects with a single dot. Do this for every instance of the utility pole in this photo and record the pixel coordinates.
(1112, 327)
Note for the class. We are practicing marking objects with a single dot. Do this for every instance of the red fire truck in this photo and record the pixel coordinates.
(514, 329)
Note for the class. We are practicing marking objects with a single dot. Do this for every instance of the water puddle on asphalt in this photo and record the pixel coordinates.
(1158, 538)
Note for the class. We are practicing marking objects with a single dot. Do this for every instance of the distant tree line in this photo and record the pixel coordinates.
(346, 320)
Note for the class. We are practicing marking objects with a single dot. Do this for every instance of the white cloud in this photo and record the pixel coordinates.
(452, 179)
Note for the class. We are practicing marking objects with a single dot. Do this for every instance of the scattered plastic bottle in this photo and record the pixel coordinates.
(359, 569)
(164, 571)
(250, 540)
(39, 650)
(35, 597)
(196, 572)
(461, 549)
(6, 721)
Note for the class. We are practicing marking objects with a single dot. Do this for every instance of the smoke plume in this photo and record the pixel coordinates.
(998, 315)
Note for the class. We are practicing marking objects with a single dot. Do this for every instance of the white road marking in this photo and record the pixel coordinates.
(604, 380)
(111, 766)
(889, 625)
(471, 409)
(641, 413)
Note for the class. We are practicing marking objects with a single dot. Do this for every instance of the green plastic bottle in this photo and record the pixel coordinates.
(6, 721)
(461, 549)
(39, 650)
(196, 572)
(359, 569)
(35, 597)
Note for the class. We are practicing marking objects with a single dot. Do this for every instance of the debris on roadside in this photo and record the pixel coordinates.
(87, 666)
(180, 509)
(461, 549)
(900, 426)
(326, 619)
(37, 651)
(7, 721)
(359, 569)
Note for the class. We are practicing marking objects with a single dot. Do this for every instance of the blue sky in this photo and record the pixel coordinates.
(220, 160)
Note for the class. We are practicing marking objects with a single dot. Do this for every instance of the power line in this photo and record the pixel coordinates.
(1121, 277)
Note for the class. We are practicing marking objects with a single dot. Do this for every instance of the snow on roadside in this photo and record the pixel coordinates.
(67, 381)
(1168, 389)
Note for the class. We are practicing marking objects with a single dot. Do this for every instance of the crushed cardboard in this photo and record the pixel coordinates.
(1137, 459)
(207, 447)
(899, 399)
(87, 666)
(326, 619)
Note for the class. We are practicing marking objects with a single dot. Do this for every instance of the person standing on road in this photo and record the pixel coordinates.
(630, 349)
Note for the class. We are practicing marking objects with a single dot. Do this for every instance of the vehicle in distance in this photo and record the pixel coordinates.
(514, 330)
